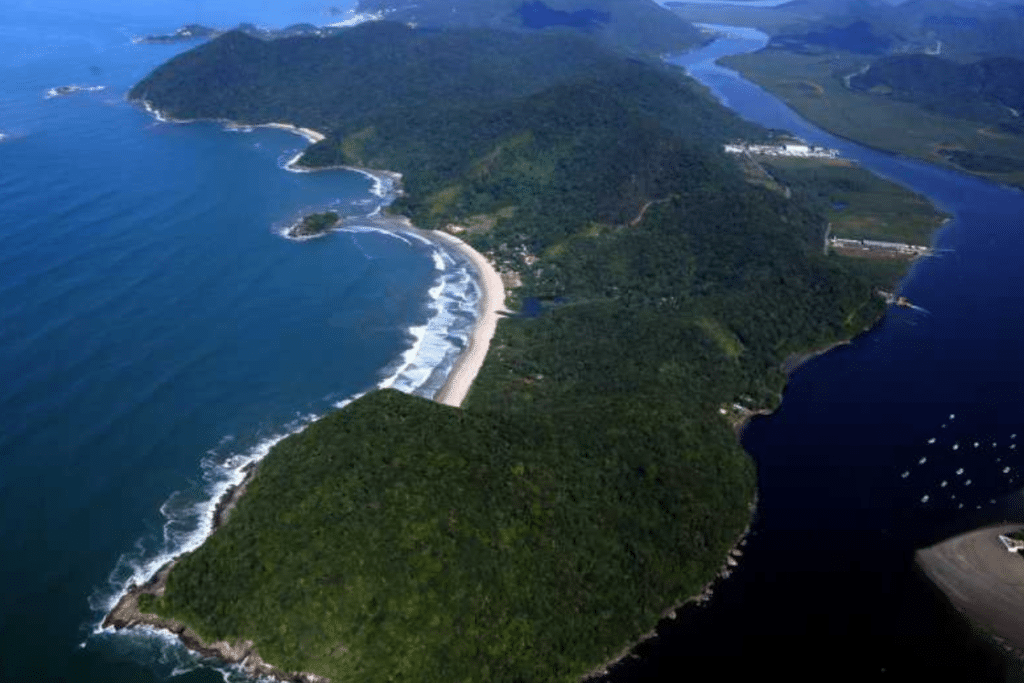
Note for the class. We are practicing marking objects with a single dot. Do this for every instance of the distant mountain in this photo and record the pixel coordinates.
(636, 25)
(968, 30)
(989, 90)
(858, 37)
(947, 26)
(434, 99)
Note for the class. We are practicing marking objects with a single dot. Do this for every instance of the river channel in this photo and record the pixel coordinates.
(900, 439)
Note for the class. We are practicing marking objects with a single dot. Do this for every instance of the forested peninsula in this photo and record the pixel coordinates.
(590, 481)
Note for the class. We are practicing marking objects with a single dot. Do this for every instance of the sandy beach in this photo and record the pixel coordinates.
(311, 135)
(492, 305)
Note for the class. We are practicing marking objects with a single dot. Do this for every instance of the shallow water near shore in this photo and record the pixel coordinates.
(157, 332)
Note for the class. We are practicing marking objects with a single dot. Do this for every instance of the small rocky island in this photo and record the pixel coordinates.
(315, 224)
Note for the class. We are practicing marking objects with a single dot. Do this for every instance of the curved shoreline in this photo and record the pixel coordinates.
(490, 306)
(387, 186)
(126, 614)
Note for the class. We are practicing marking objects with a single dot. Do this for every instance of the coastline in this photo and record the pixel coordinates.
(387, 186)
(699, 599)
(491, 305)
(126, 613)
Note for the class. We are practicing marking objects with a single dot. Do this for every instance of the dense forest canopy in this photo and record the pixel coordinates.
(633, 25)
(990, 90)
(591, 481)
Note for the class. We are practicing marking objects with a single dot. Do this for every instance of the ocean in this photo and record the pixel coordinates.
(157, 331)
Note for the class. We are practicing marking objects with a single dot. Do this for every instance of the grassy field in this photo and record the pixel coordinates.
(813, 86)
(858, 204)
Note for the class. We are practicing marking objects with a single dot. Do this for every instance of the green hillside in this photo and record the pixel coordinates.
(988, 91)
(591, 481)
(633, 25)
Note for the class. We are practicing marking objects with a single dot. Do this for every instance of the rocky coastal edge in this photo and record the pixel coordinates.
(700, 599)
(126, 614)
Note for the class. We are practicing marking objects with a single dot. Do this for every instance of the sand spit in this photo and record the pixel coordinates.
(492, 304)
(982, 579)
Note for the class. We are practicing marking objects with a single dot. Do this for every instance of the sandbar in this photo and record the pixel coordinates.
(982, 579)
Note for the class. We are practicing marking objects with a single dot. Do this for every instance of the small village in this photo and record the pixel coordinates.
(788, 149)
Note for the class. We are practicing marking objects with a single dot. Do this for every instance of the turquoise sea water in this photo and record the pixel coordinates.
(157, 331)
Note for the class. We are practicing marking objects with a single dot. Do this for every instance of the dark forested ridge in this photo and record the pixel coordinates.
(990, 90)
(591, 482)
(471, 117)
(342, 81)
(633, 25)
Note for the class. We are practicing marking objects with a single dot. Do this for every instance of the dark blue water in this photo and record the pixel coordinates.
(156, 330)
(906, 436)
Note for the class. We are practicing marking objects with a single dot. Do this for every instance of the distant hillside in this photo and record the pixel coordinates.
(980, 29)
(635, 25)
(990, 90)
(858, 36)
(436, 103)
(950, 27)
(241, 77)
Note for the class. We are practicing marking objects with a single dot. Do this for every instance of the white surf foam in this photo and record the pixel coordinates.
(436, 345)
(167, 653)
(356, 18)
(439, 262)
(381, 184)
(402, 237)
(423, 240)
(188, 519)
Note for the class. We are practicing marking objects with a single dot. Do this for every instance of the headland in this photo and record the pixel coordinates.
(542, 527)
